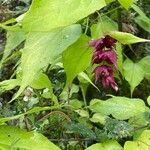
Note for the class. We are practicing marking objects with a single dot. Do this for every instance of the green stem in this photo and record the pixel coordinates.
(83, 94)
(112, 10)
(68, 94)
(87, 25)
(100, 16)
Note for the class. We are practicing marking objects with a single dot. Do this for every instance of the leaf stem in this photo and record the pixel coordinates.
(111, 10)
(83, 95)
(87, 25)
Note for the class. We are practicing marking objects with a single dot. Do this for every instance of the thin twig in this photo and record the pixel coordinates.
(56, 112)
(109, 12)
(71, 139)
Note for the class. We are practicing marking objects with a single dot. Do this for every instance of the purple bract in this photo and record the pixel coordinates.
(104, 50)
(105, 73)
(109, 56)
(103, 42)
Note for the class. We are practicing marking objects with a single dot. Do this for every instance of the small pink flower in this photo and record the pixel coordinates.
(101, 71)
(109, 56)
(105, 74)
(98, 44)
(109, 81)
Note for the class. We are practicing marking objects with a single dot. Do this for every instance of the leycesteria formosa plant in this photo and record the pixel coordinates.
(105, 56)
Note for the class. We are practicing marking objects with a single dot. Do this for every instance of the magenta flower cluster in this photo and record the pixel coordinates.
(105, 56)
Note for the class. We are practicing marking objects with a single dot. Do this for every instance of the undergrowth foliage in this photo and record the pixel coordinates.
(74, 75)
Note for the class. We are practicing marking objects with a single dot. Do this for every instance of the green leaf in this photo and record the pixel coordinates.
(42, 48)
(126, 38)
(145, 64)
(117, 129)
(126, 3)
(76, 104)
(139, 11)
(14, 138)
(104, 25)
(119, 52)
(98, 118)
(140, 120)
(109, 145)
(7, 85)
(82, 113)
(142, 20)
(148, 100)
(73, 89)
(123, 108)
(84, 76)
(41, 81)
(142, 143)
(133, 73)
(77, 58)
(33, 110)
(13, 40)
(80, 129)
(143, 23)
(42, 13)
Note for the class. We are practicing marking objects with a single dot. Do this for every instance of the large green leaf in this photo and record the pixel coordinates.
(13, 40)
(126, 38)
(13, 138)
(145, 63)
(126, 3)
(109, 145)
(42, 48)
(123, 108)
(77, 58)
(45, 15)
(104, 25)
(142, 143)
(133, 73)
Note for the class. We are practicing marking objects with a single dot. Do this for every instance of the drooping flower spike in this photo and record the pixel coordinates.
(104, 51)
